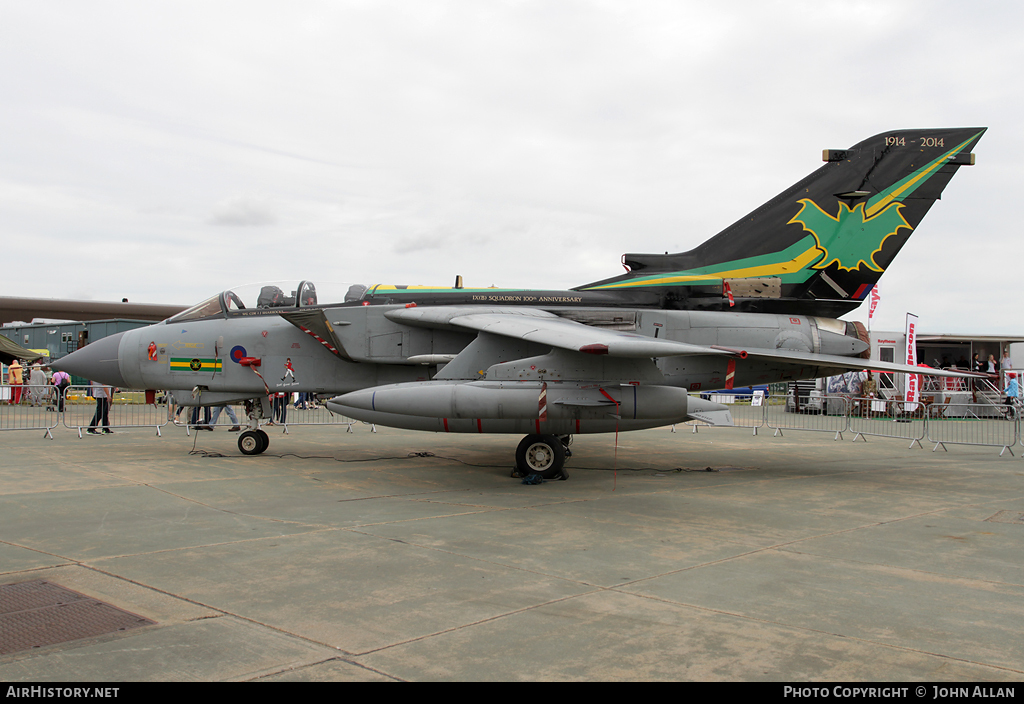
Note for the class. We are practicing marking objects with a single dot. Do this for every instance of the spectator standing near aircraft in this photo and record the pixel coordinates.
(171, 413)
(280, 408)
(231, 414)
(205, 425)
(870, 387)
(61, 381)
(37, 383)
(14, 381)
(103, 395)
(1012, 390)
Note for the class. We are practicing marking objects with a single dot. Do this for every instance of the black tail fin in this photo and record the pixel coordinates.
(819, 246)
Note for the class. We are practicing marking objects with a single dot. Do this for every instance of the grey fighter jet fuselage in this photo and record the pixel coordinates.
(377, 350)
(754, 305)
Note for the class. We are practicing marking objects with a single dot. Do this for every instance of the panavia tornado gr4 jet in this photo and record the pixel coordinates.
(756, 303)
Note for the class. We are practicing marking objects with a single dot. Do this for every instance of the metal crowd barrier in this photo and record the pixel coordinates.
(993, 425)
(1018, 409)
(814, 412)
(881, 417)
(311, 414)
(36, 408)
(980, 424)
(184, 418)
(128, 410)
(314, 413)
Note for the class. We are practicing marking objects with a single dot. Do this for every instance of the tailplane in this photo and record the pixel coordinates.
(818, 247)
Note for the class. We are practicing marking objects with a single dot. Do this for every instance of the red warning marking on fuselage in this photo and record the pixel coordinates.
(319, 339)
(730, 373)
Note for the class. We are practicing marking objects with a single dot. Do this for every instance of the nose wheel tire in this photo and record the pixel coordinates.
(253, 442)
(541, 454)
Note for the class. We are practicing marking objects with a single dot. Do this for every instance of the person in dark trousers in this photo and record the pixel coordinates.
(206, 418)
(103, 395)
(61, 381)
(280, 408)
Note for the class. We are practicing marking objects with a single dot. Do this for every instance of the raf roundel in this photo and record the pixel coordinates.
(237, 353)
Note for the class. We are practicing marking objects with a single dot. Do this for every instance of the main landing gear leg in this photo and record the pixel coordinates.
(544, 455)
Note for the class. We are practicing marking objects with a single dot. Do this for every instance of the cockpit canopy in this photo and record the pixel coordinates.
(282, 295)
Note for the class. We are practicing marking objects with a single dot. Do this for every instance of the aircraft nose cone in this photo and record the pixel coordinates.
(356, 399)
(96, 361)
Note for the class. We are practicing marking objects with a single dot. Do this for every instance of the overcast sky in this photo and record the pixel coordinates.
(165, 151)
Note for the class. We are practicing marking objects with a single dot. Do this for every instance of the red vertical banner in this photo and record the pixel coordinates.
(875, 297)
(913, 382)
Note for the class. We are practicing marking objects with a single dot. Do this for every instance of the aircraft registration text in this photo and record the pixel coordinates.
(527, 299)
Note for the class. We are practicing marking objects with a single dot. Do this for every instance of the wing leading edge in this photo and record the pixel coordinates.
(546, 328)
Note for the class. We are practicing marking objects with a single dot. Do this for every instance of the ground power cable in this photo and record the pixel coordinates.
(427, 454)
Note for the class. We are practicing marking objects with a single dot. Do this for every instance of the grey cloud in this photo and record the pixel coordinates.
(242, 212)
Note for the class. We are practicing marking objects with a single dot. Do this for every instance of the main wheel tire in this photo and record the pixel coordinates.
(250, 443)
(540, 454)
(265, 438)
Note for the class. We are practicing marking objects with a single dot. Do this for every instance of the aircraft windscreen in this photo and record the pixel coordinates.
(289, 294)
(233, 301)
(208, 308)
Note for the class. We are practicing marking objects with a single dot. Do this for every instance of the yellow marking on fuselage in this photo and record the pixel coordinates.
(795, 264)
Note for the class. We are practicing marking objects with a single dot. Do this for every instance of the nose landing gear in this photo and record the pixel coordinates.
(253, 442)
